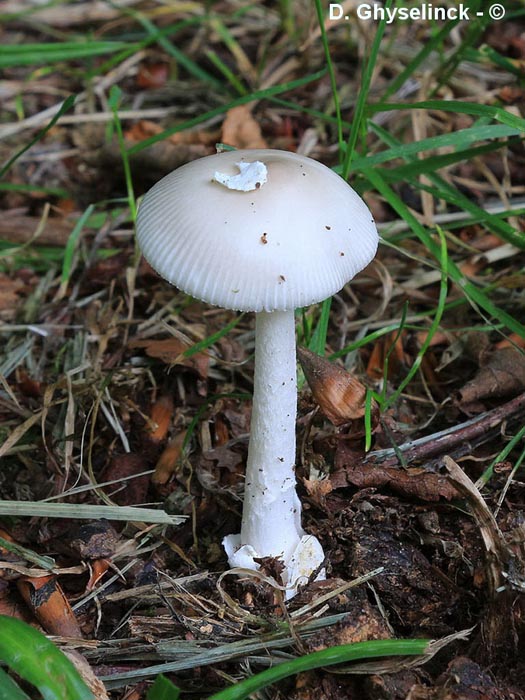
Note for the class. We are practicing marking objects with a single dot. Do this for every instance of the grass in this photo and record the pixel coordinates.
(439, 162)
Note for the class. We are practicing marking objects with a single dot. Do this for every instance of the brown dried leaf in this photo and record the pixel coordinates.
(318, 489)
(168, 460)
(171, 351)
(383, 348)
(240, 129)
(160, 419)
(476, 346)
(512, 340)
(219, 468)
(152, 75)
(413, 481)
(10, 291)
(46, 599)
(27, 385)
(502, 375)
(99, 567)
(341, 396)
(144, 129)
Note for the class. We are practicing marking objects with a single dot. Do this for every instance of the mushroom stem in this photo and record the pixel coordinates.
(271, 521)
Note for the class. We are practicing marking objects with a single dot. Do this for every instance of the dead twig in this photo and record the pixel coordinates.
(476, 430)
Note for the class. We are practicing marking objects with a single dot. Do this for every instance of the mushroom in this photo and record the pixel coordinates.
(265, 231)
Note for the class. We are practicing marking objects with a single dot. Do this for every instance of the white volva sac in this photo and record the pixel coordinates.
(265, 231)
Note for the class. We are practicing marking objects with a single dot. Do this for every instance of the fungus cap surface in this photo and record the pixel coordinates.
(293, 241)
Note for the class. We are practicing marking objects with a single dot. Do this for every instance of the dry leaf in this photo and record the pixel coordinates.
(46, 599)
(171, 351)
(168, 460)
(414, 481)
(10, 291)
(152, 75)
(512, 340)
(503, 374)
(144, 129)
(240, 129)
(382, 350)
(341, 397)
(99, 567)
(160, 419)
(318, 490)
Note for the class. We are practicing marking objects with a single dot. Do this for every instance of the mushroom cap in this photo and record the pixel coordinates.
(295, 240)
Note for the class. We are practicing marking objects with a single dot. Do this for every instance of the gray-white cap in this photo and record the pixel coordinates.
(295, 239)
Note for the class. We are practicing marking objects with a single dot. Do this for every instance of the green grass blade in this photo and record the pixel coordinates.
(32, 54)
(460, 139)
(213, 338)
(315, 113)
(317, 342)
(84, 511)
(359, 114)
(66, 105)
(114, 98)
(172, 50)
(326, 657)
(442, 189)
(163, 689)
(501, 457)
(435, 42)
(361, 342)
(27, 554)
(236, 51)
(497, 113)
(369, 397)
(473, 293)
(226, 72)
(427, 165)
(471, 36)
(331, 73)
(486, 54)
(165, 32)
(244, 99)
(35, 659)
(71, 246)
(9, 690)
(35, 189)
(443, 289)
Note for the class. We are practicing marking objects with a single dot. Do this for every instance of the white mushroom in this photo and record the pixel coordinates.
(220, 234)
